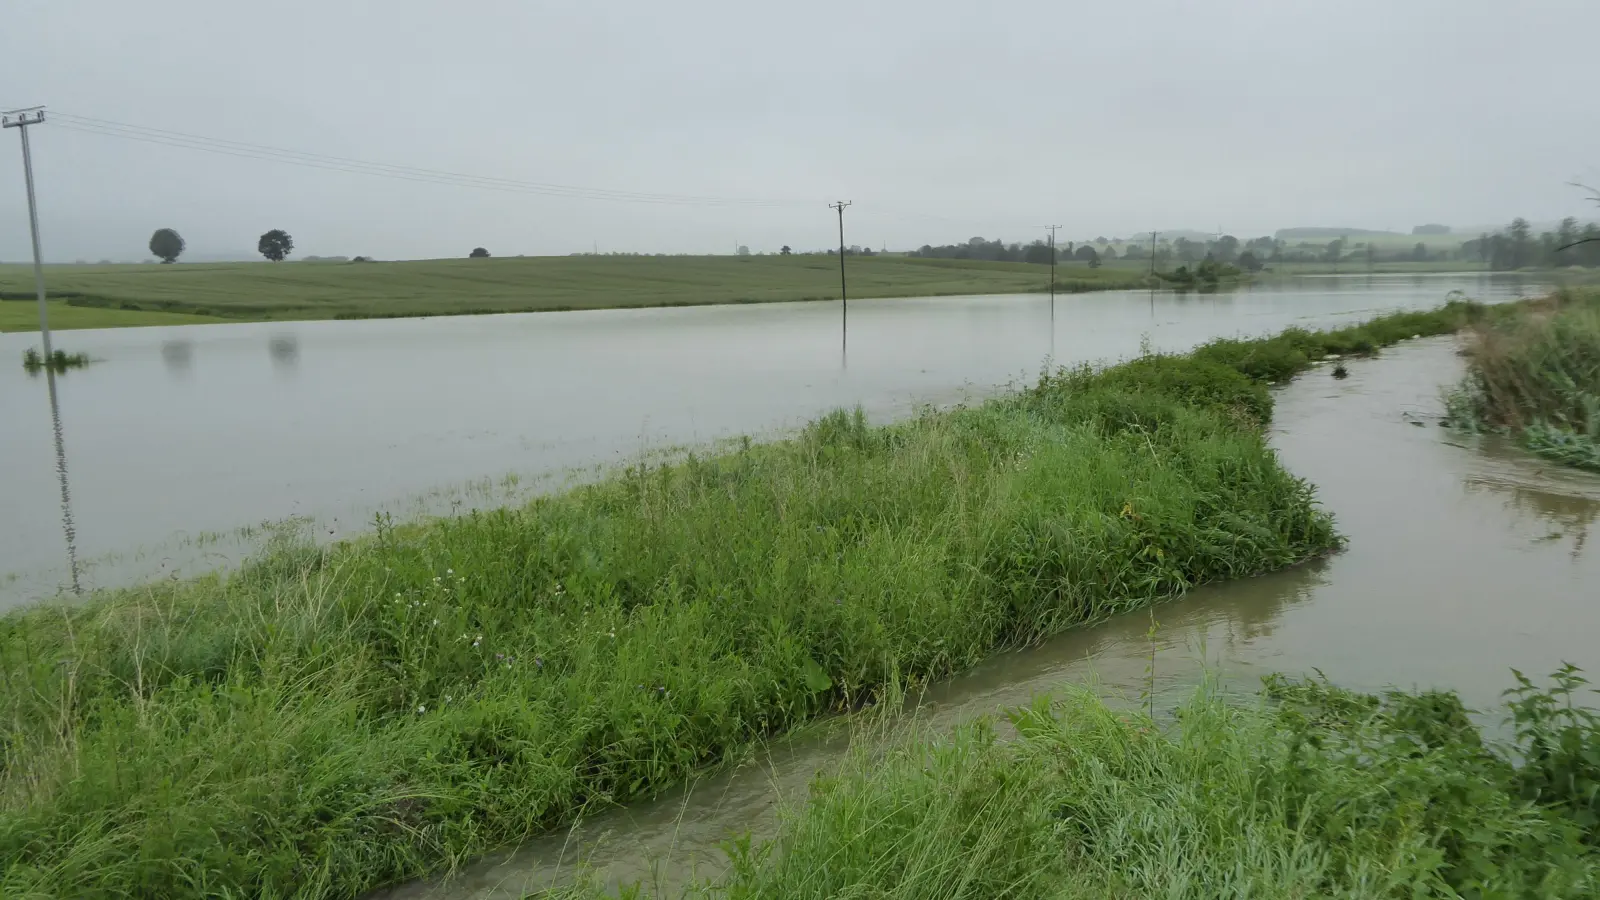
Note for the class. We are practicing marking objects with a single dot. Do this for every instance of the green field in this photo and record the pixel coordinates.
(24, 316)
(126, 294)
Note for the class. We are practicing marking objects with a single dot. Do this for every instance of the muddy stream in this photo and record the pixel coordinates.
(1466, 558)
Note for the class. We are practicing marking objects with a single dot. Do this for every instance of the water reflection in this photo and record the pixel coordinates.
(68, 529)
(285, 352)
(178, 356)
(1570, 516)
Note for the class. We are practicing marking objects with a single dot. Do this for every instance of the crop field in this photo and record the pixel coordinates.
(126, 294)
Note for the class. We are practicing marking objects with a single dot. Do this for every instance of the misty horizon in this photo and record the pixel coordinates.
(940, 123)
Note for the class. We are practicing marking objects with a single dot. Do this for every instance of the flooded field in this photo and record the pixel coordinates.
(178, 443)
(1466, 559)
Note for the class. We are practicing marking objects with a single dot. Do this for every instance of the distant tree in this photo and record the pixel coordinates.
(1372, 255)
(785, 251)
(1086, 253)
(167, 245)
(1037, 253)
(1227, 249)
(1521, 247)
(743, 250)
(275, 245)
(1249, 262)
(1334, 251)
(1188, 251)
(478, 253)
(1108, 253)
(1420, 252)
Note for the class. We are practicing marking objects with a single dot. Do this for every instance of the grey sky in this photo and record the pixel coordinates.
(1107, 117)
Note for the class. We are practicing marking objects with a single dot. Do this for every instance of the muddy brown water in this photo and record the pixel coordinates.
(1466, 559)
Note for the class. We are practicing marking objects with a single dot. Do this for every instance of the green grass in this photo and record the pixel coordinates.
(1536, 375)
(329, 720)
(1309, 792)
(18, 316)
(323, 290)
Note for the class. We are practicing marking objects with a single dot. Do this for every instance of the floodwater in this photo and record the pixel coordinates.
(1466, 559)
(179, 442)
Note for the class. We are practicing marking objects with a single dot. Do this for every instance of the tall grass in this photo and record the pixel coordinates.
(1537, 375)
(1311, 792)
(328, 720)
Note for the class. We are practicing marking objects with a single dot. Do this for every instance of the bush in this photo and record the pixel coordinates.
(1534, 372)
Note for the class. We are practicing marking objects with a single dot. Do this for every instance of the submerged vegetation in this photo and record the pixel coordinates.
(1311, 792)
(58, 361)
(1536, 375)
(328, 720)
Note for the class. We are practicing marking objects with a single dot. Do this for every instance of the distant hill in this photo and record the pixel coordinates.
(1308, 234)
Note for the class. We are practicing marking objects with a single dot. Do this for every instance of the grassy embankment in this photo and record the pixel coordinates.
(1312, 792)
(151, 294)
(329, 720)
(1536, 376)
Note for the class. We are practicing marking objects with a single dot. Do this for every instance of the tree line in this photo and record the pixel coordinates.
(1516, 247)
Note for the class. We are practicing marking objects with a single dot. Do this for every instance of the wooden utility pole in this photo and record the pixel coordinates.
(844, 299)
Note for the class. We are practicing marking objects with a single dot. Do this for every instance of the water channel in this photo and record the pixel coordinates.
(180, 442)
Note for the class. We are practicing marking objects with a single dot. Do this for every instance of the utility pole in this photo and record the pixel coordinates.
(20, 119)
(844, 300)
(1152, 254)
(1052, 277)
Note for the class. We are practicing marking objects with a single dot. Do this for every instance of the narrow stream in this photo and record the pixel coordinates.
(1466, 559)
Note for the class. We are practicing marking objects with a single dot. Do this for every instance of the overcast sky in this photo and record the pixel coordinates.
(940, 120)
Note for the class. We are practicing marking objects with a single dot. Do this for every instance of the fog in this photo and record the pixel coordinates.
(939, 120)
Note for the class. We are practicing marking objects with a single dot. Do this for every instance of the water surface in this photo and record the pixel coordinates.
(178, 436)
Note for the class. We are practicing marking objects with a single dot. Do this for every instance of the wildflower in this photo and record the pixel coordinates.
(447, 572)
(612, 635)
(447, 698)
(435, 621)
(421, 710)
(538, 662)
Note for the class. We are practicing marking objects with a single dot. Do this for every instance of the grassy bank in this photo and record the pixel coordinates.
(328, 720)
(1310, 792)
(327, 290)
(1536, 375)
(16, 316)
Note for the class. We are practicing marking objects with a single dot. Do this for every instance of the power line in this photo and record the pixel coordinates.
(421, 175)
(242, 149)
